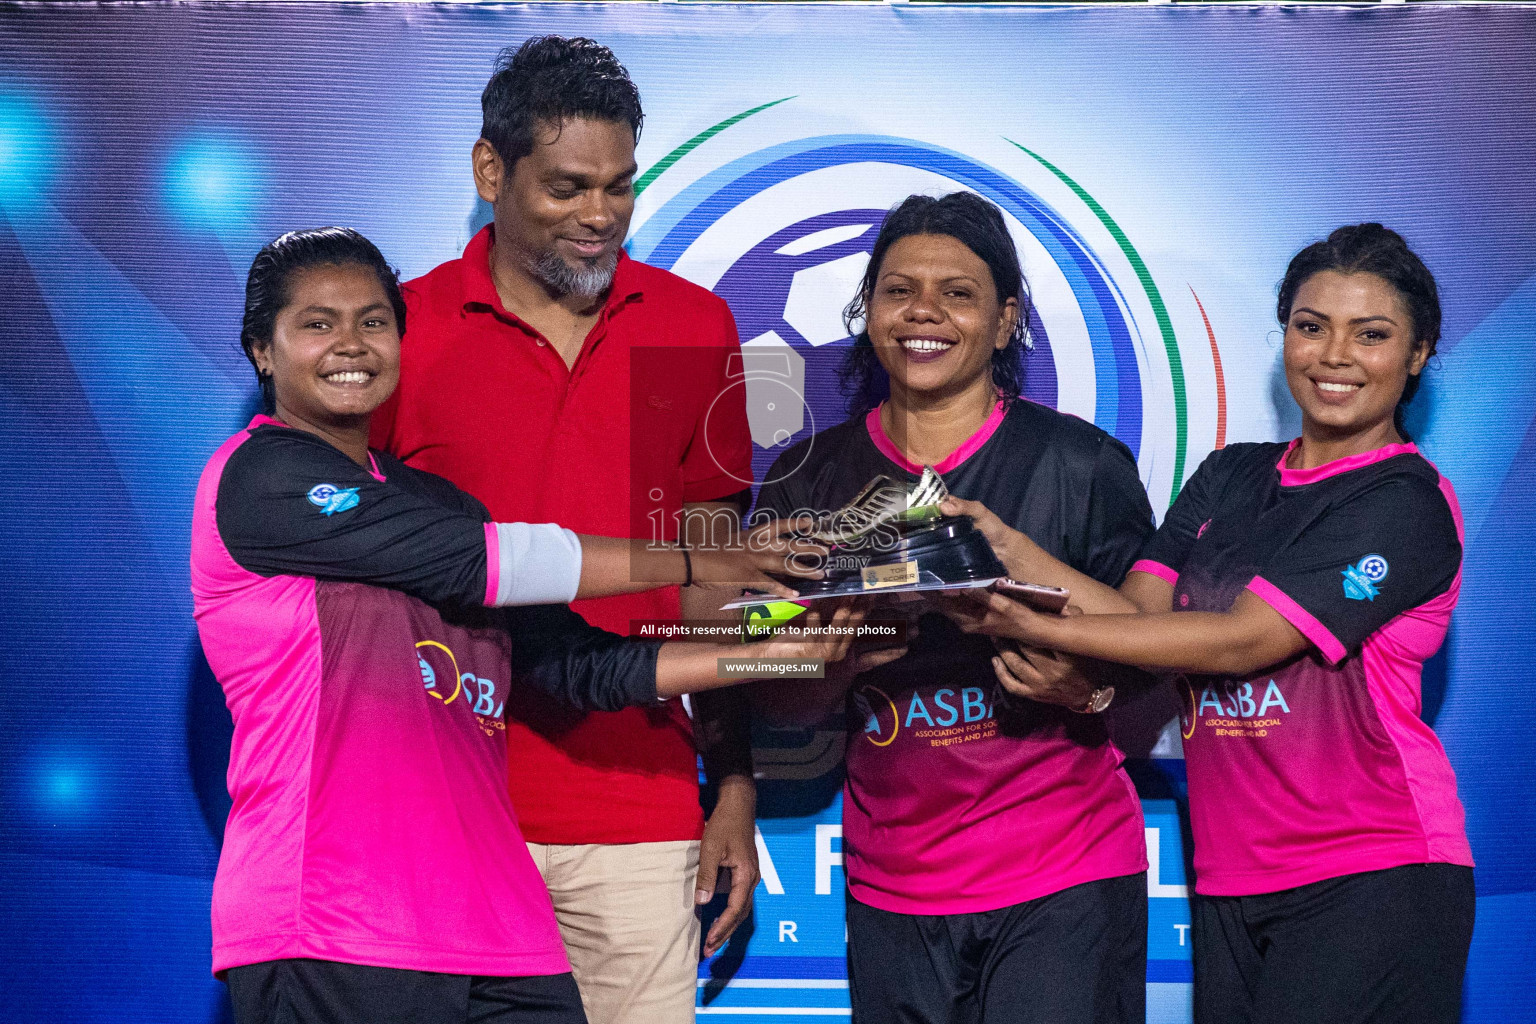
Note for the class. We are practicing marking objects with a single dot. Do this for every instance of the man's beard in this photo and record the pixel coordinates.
(589, 280)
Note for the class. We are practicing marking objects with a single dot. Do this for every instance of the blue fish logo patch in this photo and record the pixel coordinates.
(1361, 579)
(330, 499)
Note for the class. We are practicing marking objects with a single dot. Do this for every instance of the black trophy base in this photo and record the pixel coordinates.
(947, 550)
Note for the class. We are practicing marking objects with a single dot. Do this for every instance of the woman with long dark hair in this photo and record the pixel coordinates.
(993, 844)
(1302, 586)
(356, 613)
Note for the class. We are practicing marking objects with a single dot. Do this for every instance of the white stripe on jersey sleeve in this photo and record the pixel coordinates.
(539, 563)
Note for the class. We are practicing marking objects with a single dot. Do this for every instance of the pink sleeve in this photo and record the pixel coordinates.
(1157, 569)
(492, 563)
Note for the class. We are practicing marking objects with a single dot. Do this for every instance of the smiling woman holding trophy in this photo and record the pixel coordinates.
(1302, 586)
(370, 626)
(992, 842)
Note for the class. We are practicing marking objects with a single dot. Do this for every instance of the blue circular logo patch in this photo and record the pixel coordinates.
(1373, 568)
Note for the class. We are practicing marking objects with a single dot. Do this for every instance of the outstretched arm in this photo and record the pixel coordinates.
(1249, 637)
(1147, 587)
(1027, 562)
(620, 565)
(288, 503)
(1112, 523)
(557, 651)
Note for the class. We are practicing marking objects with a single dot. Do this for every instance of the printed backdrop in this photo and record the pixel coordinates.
(1158, 167)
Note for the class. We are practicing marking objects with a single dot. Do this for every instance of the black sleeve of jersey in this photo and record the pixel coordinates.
(1386, 550)
(290, 504)
(561, 654)
(433, 487)
(1119, 518)
(1190, 511)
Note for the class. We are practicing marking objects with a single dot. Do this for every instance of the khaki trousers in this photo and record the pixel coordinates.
(626, 913)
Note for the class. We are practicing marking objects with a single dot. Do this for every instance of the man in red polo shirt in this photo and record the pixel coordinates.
(557, 380)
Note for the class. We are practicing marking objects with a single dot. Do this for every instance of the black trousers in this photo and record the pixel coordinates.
(1380, 947)
(1078, 956)
(325, 992)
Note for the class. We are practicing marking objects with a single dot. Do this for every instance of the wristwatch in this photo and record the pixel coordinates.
(1098, 700)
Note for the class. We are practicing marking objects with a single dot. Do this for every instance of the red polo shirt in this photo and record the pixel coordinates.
(646, 419)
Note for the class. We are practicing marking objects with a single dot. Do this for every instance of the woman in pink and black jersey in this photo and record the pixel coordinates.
(358, 614)
(993, 844)
(1302, 586)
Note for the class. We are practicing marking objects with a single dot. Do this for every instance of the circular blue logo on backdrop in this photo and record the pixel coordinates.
(789, 270)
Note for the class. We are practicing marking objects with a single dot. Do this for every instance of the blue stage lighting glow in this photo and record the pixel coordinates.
(64, 780)
(65, 786)
(26, 146)
(213, 182)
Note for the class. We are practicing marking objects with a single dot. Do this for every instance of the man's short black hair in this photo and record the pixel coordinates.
(548, 80)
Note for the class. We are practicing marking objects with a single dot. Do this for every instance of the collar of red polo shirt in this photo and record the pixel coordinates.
(480, 288)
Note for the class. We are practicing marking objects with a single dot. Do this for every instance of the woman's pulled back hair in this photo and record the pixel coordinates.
(1373, 249)
(548, 80)
(266, 287)
(978, 225)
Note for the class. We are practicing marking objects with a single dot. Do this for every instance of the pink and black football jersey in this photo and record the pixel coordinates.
(340, 609)
(960, 799)
(1320, 766)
